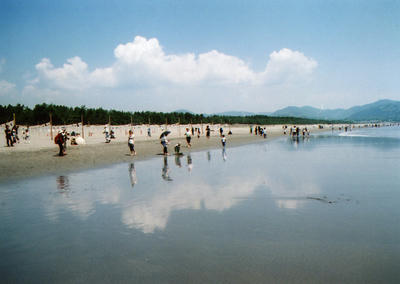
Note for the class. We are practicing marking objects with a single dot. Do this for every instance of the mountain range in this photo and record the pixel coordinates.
(382, 110)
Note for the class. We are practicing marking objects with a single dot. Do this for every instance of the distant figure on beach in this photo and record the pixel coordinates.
(132, 174)
(223, 140)
(164, 143)
(251, 129)
(221, 131)
(26, 135)
(14, 133)
(198, 133)
(265, 133)
(7, 132)
(64, 133)
(192, 131)
(208, 131)
(178, 149)
(149, 132)
(188, 137)
(131, 143)
(107, 134)
(59, 140)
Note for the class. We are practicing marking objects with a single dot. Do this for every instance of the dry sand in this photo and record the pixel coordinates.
(39, 157)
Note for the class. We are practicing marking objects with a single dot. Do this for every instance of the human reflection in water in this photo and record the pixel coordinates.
(178, 161)
(62, 183)
(224, 155)
(189, 162)
(295, 141)
(132, 174)
(165, 171)
(208, 156)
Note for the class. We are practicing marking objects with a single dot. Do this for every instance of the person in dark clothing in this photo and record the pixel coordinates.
(7, 131)
(208, 131)
(59, 140)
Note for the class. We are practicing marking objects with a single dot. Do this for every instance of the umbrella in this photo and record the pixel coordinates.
(165, 133)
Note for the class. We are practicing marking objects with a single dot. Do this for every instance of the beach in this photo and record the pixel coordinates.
(39, 156)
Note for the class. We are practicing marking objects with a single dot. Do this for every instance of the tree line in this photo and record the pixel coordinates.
(62, 115)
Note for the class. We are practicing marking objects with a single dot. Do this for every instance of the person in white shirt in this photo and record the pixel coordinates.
(131, 143)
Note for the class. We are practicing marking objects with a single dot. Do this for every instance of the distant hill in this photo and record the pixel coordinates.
(235, 113)
(388, 110)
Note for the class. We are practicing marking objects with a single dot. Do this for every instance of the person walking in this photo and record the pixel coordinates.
(188, 137)
(223, 141)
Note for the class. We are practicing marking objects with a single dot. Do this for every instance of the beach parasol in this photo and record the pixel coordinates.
(165, 133)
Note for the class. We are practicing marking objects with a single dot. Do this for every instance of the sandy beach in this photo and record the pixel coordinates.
(39, 156)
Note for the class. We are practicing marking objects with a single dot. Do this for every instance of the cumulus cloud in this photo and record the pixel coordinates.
(144, 73)
(144, 60)
(6, 88)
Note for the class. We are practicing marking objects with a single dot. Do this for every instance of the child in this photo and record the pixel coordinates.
(131, 143)
(223, 140)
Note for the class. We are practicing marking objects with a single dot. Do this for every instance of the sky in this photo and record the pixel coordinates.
(203, 56)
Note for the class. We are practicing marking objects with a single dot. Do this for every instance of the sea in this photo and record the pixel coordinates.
(319, 209)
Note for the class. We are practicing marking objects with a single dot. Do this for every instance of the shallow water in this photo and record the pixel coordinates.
(317, 210)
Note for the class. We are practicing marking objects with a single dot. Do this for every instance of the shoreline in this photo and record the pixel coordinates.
(32, 161)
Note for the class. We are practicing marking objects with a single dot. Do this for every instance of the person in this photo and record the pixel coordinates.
(221, 130)
(198, 133)
(59, 140)
(178, 149)
(26, 135)
(188, 137)
(164, 143)
(131, 143)
(223, 140)
(265, 133)
(14, 133)
(7, 132)
(107, 134)
(64, 133)
(149, 132)
(208, 131)
(192, 131)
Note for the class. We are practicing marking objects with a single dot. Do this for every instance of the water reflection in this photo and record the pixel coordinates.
(224, 155)
(132, 174)
(189, 162)
(178, 160)
(208, 156)
(62, 183)
(165, 170)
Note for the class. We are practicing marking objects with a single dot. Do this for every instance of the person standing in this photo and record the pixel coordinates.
(164, 143)
(188, 137)
(7, 132)
(208, 130)
(223, 140)
(131, 143)
(59, 140)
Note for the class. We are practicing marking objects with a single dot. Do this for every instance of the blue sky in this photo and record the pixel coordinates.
(204, 56)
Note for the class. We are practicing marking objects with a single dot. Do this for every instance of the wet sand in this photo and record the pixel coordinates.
(30, 163)
(29, 160)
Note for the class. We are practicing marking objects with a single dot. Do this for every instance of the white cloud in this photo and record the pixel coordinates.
(143, 65)
(6, 88)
